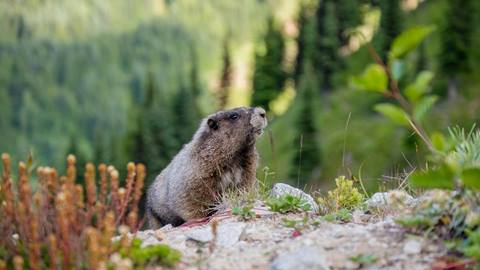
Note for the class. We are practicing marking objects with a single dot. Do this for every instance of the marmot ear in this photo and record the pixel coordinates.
(212, 124)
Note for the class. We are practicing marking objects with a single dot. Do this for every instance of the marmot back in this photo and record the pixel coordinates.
(221, 156)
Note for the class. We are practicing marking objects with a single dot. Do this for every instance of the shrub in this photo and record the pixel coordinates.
(344, 196)
(65, 225)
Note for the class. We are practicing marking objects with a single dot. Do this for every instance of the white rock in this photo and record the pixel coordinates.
(281, 189)
(381, 199)
(302, 258)
(412, 247)
(227, 235)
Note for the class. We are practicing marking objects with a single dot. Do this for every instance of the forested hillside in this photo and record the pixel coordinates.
(113, 81)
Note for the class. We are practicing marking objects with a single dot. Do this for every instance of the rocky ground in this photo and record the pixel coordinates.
(266, 243)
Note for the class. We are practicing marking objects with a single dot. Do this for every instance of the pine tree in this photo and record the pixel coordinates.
(269, 76)
(305, 39)
(457, 36)
(348, 16)
(326, 60)
(194, 76)
(307, 159)
(226, 79)
(390, 25)
(185, 116)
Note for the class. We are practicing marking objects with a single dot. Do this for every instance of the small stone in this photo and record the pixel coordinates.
(393, 197)
(227, 235)
(281, 189)
(308, 242)
(302, 258)
(159, 235)
(412, 247)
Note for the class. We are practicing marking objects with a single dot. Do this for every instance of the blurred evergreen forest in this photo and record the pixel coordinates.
(115, 80)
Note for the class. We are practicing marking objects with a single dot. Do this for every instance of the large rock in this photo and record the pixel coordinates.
(281, 189)
(303, 258)
(227, 234)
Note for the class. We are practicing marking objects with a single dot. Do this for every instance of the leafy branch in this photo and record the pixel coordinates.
(383, 77)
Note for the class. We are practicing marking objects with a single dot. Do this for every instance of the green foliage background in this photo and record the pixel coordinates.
(113, 81)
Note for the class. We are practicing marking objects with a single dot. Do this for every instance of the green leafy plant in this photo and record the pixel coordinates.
(244, 212)
(472, 247)
(364, 259)
(342, 216)
(152, 255)
(344, 196)
(298, 225)
(456, 162)
(288, 203)
(413, 103)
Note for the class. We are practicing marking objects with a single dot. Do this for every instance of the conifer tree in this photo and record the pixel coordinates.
(457, 35)
(305, 39)
(307, 159)
(269, 76)
(185, 116)
(326, 60)
(348, 16)
(226, 79)
(390, 25)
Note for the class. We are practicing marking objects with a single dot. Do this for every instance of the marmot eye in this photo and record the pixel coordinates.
(234, 116)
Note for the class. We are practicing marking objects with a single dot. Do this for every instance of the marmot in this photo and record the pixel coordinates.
(221, 156)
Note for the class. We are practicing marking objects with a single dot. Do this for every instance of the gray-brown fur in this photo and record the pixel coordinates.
(220, 157)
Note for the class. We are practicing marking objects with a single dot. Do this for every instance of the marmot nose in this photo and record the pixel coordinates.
(261, 112)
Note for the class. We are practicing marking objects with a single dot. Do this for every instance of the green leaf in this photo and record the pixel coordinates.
(419, 87)
(437, 178)
(408, 41)
(423, 106)
(471, 178)
(373, 79)
(398, 69)
(394, 113)
(438, 141)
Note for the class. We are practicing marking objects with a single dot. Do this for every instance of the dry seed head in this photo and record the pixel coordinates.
(79, 196)
(138, 185)
(6, 163)
(108, 229)
(124, 240)
(18, 263)
(40, 171)
(71, 160)
(132, 220)
(102, 171)
(123, 230)
(71, 169)
(61, 197)
(122, 192)
(34, 245)
(131, 167)
(3, 265)
(37, 199)
(91, 187)
(93, 247)
(22, 168)
(52, 251)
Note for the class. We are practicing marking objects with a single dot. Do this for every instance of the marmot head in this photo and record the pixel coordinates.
(229, 131)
